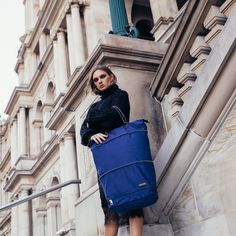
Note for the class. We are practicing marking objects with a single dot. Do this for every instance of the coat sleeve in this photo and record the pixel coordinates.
(108, 118)
(86, 133)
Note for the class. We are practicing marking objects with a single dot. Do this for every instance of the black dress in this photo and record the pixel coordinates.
(101, 118)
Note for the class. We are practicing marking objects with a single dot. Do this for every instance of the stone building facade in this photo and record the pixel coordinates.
(180, 75)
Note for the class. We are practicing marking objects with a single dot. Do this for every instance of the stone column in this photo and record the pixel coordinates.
(22, 131)
(14, 220)
(46, 117)
(41, 222)
(38, 134)
(62, 62)
(64, 201)
(70, 166)
(79, 50)
(56, 66)
(24, 216)
(32, 134)
(27, 72)
(30, 62)
(20, 73)
(70, 43)
(42, 45)
(53, 225)
(13, 143)
(27, 16)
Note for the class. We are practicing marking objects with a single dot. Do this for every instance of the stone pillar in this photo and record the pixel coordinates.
(30, 61)
(70, 166)
(56, 66)
(20, 73)
(62, 62)
(32, 134)
(24, 216)
(42, 45)
(14, 220)
(46, 116)
(38, 134)
(119, 17)
(70, 43)
(22, 131)
(64, 202)
(27, 16)
(79, 51)
(41, 222)
(13, 143)
(27, 72)
(53, 225)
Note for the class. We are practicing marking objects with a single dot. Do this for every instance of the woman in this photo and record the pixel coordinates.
(100, 119)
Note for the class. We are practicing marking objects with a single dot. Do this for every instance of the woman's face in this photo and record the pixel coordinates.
(102, 80)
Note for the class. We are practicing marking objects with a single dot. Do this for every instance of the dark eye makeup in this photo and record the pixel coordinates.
(102, 76)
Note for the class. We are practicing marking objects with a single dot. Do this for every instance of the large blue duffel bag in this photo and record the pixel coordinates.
(125, 167)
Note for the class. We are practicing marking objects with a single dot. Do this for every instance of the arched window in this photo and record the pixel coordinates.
(39, 122)
(39, 115)
(50, 93)
(142, 18)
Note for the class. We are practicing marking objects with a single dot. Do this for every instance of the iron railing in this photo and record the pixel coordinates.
(43, 192)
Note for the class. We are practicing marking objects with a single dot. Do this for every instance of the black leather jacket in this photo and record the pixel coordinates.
(102, 117)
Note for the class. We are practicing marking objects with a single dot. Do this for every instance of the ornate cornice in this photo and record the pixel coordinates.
(42, 159)
(30, 89)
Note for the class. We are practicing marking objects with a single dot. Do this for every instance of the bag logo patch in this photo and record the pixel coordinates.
(142, 184)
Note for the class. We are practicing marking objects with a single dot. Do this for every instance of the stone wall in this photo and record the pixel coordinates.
(207, 206)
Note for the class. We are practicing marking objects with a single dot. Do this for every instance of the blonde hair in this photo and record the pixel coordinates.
(91, 82)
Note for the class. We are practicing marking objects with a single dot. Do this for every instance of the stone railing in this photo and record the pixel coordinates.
(199, 51)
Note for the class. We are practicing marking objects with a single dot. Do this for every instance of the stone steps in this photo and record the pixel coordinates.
(150, 230)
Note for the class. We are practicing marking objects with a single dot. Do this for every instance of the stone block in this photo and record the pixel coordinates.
(212, 227)
(150, 230)
(199, 47)
(185, 211)
(186, 74)
(214, 17)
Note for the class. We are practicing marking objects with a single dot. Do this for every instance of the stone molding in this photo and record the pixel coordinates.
(5, 160)
(5, 220)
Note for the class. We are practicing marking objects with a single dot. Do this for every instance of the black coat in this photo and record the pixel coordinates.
(101, 117)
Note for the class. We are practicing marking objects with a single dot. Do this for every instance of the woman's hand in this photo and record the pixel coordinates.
(99, 137)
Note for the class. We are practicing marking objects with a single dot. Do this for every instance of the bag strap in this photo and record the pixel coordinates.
(121, 114)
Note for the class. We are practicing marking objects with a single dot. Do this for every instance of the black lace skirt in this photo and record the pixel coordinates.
(121, 218)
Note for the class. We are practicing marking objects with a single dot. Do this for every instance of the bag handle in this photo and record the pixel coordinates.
(121, 114)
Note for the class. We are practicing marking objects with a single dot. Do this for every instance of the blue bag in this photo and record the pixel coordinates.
(125, 167)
